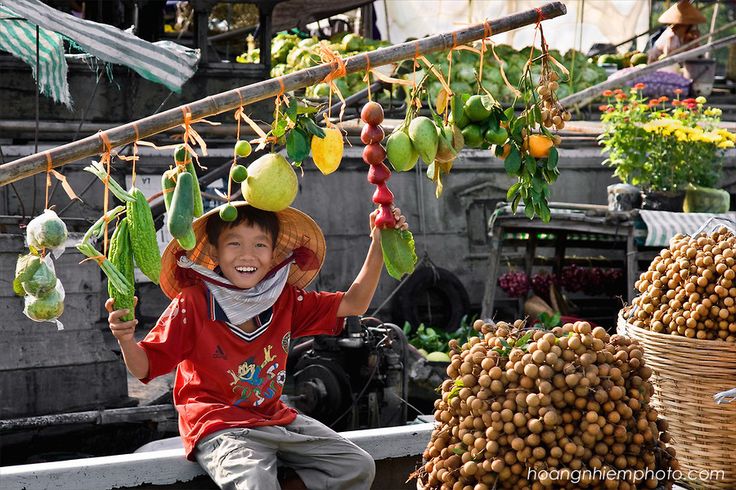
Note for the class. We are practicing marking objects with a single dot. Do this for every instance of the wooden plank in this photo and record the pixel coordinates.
(168, 466)
(45, 346)
(63, 388)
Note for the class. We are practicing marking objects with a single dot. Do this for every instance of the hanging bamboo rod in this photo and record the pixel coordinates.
(232, 99)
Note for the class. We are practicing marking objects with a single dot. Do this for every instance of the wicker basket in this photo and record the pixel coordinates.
(687, 373)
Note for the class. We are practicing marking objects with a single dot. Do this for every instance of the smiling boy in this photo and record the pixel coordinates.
(237, 300)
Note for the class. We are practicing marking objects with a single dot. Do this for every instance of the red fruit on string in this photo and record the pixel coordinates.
(372, 113)
(385, 217)
(383, 195)
(374, 154)
(378, 174)
(371, 134)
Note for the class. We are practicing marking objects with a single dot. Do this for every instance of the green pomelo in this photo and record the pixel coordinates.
(473, 135)
(26, 266)
(41, 282)
(476, 108)
(44, 308)
(271, 184)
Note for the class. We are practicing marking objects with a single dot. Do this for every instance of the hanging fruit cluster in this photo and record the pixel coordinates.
(520, 403)
(35, 276)
(552, 112)
(397, 245)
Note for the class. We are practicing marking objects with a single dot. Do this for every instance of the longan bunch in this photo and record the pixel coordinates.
(690, 289)
(553, 114)
(572, 398)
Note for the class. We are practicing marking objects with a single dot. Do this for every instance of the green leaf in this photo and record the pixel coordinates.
(512, 191)
(529, 211)
(459, 451)
(292, 110)
(504, 343)
(487, 102)
(544, 212)
(297, 145)
(515, 203)
(509, 113)
(305, 109)
(530, 165)
(512, 164)
(525, 339)
(279, 127)
(552, 158)
(313, 129)
(399, 254)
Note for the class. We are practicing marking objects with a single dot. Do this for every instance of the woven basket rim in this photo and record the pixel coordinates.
(713, 345)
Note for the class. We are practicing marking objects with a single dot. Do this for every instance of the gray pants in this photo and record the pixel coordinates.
(247, 459)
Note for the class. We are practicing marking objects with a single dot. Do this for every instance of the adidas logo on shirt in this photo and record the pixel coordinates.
(219, 353)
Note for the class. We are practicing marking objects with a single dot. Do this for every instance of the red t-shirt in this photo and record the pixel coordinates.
(226, 377)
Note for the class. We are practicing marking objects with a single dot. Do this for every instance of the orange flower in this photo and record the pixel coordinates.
(607, 93)
(676, 102)
(678, 91)
(603, 107)
(620, 96)
(653, 102)
(664, 98)
(639, 86)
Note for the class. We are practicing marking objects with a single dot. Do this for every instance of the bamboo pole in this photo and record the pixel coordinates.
(590, 93)
(232, 99)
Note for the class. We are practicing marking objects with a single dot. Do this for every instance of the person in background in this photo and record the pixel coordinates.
(683, 20)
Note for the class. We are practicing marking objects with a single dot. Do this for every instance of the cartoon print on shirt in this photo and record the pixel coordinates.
(249, 381)
(285, 342)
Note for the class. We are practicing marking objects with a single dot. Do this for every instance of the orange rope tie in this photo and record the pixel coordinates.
(97, 258)
(540, 15)
(106, 200)
(135, 153)
(328, 55)
(415, 63)
(487, 32)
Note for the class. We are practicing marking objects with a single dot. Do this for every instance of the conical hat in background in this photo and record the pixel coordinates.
(296, 229)
(682, 13)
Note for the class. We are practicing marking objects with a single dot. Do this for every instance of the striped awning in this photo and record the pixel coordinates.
(154, 62)
(663, 225)
(18, 37)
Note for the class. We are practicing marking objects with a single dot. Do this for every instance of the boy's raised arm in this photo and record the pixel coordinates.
(358, 298)
(134, 356)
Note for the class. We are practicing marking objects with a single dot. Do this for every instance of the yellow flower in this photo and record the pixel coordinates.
(726, 144)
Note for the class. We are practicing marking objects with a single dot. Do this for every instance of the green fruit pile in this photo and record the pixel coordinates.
(479, 118)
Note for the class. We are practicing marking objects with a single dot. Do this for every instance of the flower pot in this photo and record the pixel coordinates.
(662, 200)
(706, 200)
(623, 197)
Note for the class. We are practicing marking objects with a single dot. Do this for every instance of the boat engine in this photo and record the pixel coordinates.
(356, 380)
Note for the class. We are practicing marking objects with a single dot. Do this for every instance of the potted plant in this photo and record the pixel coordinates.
(664, 147)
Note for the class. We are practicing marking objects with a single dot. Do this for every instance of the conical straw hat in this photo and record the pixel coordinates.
(296, 229)
(682, 13)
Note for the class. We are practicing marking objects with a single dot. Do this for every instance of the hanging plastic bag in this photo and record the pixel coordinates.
(43, 280)
(26, 266)
(47, 231)
(46, 308)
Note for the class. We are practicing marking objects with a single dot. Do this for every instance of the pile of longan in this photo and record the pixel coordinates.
(572, 398)
(690, 288)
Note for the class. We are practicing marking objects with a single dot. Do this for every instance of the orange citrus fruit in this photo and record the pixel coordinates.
(539, 145)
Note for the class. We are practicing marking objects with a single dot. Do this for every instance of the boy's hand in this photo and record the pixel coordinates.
(123, 331)
(401, 223)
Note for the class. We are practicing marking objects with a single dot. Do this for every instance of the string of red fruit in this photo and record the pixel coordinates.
(374, 155)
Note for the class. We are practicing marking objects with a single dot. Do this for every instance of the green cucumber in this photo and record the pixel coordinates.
(168, 184)
(196, 192)
(188, 241)
(182, 207)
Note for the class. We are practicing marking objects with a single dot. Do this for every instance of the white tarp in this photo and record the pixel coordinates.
(586, 22)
